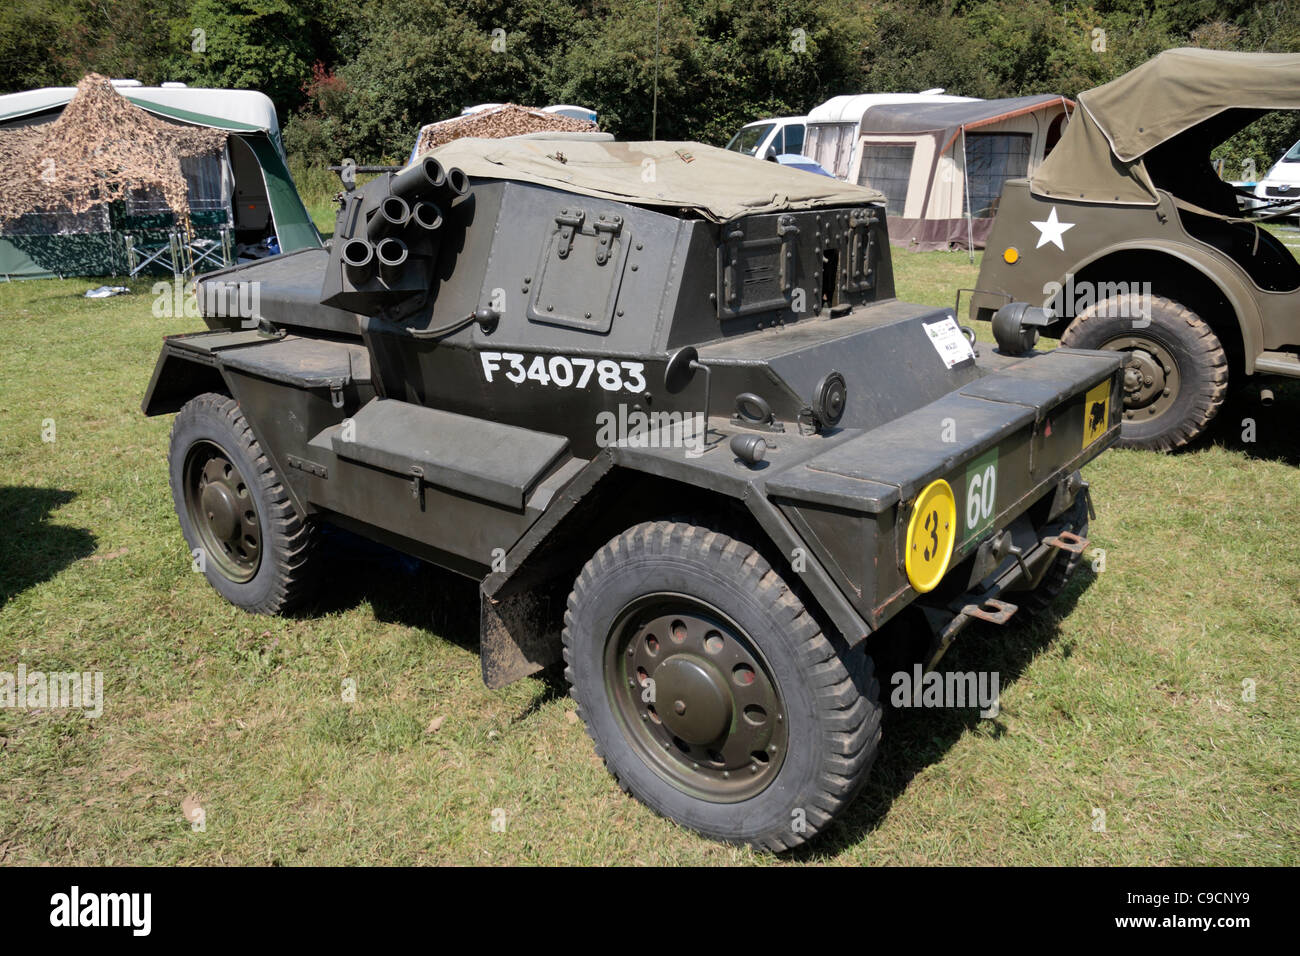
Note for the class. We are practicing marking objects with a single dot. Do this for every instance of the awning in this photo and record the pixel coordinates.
(948, 119)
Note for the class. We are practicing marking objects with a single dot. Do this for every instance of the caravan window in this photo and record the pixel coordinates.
(831, 144)
(992, 159)
(887, 167)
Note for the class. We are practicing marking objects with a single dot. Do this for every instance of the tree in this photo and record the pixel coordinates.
(264, 45)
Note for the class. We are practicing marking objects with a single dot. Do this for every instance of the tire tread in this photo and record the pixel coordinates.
(844, 686)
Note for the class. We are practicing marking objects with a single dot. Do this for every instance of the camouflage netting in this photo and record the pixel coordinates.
(499, 122)
(101, 148)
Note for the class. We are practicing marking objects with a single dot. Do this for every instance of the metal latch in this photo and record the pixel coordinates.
(417, 485)
(607, 227)
(337, 384)
(336, 391)
(569, 221)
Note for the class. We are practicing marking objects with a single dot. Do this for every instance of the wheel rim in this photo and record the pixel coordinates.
(713, 722)
(1151, 376)
(222, 511)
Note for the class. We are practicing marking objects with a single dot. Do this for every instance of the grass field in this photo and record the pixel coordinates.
(1126, 700)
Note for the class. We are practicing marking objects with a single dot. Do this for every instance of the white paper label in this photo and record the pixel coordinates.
(947, 338)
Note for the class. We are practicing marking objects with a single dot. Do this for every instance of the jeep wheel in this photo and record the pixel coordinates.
(253, 543)
(710, 690)
(1176, 373)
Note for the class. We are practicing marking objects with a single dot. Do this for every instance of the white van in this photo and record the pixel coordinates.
(770, 138)
(1282, 182)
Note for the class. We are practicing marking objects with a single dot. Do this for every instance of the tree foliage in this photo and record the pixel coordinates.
(360, 77)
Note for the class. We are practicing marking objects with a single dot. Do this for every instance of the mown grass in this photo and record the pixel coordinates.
(1126, 699)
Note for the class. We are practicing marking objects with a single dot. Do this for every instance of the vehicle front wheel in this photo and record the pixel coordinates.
(242, 527)
(710, 690)
(1175, 374)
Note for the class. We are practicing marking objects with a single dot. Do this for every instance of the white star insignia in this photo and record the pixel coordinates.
(1051, 230)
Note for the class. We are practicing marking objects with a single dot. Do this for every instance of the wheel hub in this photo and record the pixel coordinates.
(695, 698)
(222, 511)
(701, 706)
(219, 505)
(1151, 376)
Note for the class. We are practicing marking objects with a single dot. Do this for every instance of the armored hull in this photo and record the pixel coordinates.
(662, 402)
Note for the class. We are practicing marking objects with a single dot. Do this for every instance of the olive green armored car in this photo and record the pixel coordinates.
(1127, 240)
(662, 403)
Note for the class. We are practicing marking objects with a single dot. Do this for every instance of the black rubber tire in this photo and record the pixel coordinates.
(830, 698)
(1062, 568)
(286, 568)
(1196, 350)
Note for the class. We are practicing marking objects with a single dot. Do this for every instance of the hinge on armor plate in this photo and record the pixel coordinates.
(860, 277)
(607, 227)
(311, 467)
(730, 275)
(788, 231)
(569, 221)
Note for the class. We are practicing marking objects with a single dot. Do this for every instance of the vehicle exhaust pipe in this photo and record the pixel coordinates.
(456, 186)
(426, 215)
(390, 216)
(419, 181)
(392, 255)
(1266, 397)
(358, 261)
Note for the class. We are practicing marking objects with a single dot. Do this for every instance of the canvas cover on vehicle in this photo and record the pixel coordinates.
(1099, 159)
(715, 183)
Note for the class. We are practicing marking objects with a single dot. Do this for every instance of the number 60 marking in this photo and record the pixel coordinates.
(981, 495)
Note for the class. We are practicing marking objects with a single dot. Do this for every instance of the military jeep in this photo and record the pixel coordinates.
(1126, 240)
(662, 403)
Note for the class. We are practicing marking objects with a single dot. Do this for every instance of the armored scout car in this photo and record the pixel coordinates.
(1126, 240)
(661, 401)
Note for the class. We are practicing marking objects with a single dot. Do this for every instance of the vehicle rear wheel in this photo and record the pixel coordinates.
(1176, 372)
(710, 690)
(254, 546)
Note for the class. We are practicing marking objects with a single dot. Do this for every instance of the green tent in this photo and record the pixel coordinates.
(244, 195)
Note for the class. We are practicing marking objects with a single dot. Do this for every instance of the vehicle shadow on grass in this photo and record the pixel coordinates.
(914, 738)
(1263, 432)
(403, 590)
(36, 550)
(400, 589)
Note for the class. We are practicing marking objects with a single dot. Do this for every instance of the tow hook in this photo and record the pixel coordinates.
(991, 610)
(1067, 541)
(988, 609)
